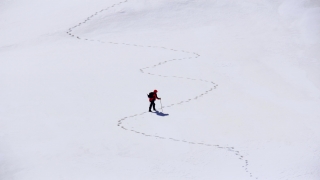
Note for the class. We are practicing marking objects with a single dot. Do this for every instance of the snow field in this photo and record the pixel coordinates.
(62, 97)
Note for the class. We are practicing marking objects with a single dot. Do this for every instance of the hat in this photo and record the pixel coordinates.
(155, 91)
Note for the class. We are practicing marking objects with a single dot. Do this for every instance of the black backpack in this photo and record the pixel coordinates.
(150, 95)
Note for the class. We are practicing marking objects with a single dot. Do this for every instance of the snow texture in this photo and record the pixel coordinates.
(239, 82)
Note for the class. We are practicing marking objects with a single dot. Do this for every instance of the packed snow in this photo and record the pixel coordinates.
(239, 83)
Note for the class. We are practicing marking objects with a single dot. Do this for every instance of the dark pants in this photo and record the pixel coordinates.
(152, 104)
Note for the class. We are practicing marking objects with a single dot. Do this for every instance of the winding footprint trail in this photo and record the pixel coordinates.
(144, 70)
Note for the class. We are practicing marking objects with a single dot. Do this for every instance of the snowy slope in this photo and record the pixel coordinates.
(239, 82)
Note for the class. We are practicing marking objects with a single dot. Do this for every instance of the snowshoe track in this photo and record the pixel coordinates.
(142, 70)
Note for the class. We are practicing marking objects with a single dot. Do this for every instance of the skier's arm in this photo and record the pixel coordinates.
(157, 97)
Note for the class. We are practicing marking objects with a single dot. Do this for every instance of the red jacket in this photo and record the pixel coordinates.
(154, 97)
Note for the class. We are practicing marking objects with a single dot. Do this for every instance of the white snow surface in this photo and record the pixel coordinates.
(239, 82)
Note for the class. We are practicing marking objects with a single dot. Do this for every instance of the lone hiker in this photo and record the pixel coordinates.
(152, 98)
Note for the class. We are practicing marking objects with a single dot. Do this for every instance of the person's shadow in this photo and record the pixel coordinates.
(160, 113)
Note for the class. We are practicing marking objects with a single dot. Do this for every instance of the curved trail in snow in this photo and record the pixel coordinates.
(143, 70)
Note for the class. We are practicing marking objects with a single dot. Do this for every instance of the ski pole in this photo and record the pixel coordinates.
(161, 106)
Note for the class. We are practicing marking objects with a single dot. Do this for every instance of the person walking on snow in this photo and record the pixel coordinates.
(152, 98)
